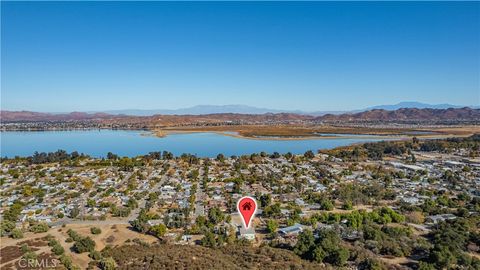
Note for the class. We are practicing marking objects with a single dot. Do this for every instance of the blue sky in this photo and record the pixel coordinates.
(60, 56)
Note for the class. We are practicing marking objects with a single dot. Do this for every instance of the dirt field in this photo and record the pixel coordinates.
(292, 132)
(111, 235)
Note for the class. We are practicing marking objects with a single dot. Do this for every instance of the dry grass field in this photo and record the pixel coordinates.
(307, 132)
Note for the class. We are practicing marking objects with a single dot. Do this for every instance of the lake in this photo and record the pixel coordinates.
(98, 143)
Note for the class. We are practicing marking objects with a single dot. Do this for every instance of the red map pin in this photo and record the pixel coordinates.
(247, 206)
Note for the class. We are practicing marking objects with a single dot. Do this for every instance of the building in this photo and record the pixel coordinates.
(248, 234)
(291, 230)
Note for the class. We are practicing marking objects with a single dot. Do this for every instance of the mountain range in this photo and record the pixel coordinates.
(244, 109)
(403, 114)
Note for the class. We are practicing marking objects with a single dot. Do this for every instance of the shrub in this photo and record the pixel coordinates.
(6, 226)
(73, 234)
(85, 244)
(66, 261)
(30, 255)
(108, 264)
(39, 228)
(95, 255)
(95, 230)
(158, 230)
(17, 233)
(25, 248)
(57, 249)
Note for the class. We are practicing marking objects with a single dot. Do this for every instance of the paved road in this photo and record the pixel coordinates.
(199, 199)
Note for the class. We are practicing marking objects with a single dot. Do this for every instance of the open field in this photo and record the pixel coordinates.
(111, 235)
(296, 132)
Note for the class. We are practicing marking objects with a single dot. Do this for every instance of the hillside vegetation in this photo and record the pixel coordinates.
(228, 257)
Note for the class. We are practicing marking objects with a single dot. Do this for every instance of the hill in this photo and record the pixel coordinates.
(25, 116)
(184, 257)
(407, 114)
(404, 114)
(412, 104)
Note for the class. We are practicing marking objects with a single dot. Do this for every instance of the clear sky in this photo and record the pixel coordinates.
(66, 56)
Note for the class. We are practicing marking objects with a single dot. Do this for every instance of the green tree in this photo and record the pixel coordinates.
(39, 228)
(108, 264)
(158, 230)
(208, 240)
(265, 200)
(215, 215)
(309, 154)
(95, 230)
(272, 225)
(6, 226)
(305, 243)
(16, 233)
(84, 244)
(57, 249)
(75, 212)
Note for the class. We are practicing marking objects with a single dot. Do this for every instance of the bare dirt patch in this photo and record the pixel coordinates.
(10, 253)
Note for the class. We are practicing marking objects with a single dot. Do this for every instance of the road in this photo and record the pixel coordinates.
(199, 199)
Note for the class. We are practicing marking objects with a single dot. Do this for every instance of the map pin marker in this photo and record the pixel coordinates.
(247, 206)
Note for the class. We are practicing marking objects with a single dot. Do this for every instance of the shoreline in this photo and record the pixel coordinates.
(297, 133)
(165, 133)
(235, 134)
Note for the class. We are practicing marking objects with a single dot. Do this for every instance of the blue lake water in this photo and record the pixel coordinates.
(98, 143)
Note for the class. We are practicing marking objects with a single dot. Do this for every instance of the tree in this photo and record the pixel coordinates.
(309, 154)
(215, 215)
(13, 212)
(273, 210)
(272, 225)
(6, 227)
(39, 228)
(339, 256)
(265, 200)
(140, 224)
(66, 261)
(326, 204)
(17, 233)
(75, 211)
(84, 244)
(305, 243)
(158, 230)
(220, 157)
(95, 230)
(319, 254)
(443, 257)
(108, 264)
(57, 249)
(275, 155)
(209, 240)
(348, 205)
(372, 264)
(95, 255)
(112, 156)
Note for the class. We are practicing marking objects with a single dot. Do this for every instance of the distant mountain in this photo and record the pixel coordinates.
(412, 104)
(244, 109)
(204, 109)
(404, 114)
(407, 114)
(213, 109)
(12, 116)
